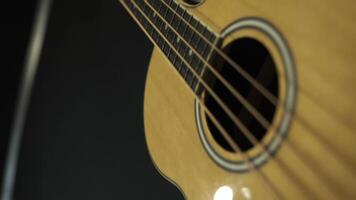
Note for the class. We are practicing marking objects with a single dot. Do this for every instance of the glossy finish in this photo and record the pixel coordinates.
(317, 159)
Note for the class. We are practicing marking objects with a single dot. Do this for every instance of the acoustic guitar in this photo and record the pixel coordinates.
(251, 99)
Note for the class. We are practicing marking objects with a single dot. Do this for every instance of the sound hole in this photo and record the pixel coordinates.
(256, 60)
(193, 2)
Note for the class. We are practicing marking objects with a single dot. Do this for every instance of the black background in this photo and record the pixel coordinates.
(84, 134)
(15, 30)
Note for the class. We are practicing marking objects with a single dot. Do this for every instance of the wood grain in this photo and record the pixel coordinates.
(317, 160)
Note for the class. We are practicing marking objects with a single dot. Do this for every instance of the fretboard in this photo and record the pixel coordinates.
(174, 36)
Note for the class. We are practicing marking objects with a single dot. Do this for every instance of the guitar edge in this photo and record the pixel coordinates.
(317, 156)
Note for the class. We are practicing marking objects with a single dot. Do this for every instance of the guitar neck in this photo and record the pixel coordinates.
(177, 33)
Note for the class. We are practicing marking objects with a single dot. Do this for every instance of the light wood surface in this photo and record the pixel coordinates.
(317, 160)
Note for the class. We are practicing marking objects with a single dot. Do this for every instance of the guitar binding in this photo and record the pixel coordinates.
(279, 117)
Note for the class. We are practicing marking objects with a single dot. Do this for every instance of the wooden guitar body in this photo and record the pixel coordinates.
(316, 159)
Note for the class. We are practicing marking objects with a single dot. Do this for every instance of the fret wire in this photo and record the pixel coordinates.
(169, 20)
(190, 36)
(256, 114)
(177, 43)
(246, 104)
(247, 157)
(184, 53)
(187, 33)
(258, 86)
(164, 16)
(158, 10)
(207, 87)
(236, 120)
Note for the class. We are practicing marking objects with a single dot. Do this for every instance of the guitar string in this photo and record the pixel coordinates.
(236, 120)
(247, 133)
(267, 94)
(326, 145)
(315, 172)
(262, 120)
(228, 138)
(279, 163)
